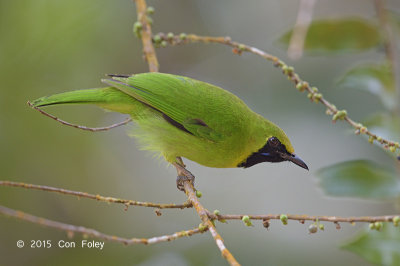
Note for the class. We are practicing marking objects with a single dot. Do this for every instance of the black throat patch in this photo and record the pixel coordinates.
(270, 152)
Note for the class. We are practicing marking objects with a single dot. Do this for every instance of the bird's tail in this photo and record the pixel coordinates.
(108, 98)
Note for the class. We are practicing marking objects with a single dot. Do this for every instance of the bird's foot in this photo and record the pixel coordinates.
(183, 175)
(181, 179)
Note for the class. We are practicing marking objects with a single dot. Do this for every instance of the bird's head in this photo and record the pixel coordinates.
(276, 148)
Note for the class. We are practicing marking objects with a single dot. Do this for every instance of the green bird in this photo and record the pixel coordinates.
(182, 117)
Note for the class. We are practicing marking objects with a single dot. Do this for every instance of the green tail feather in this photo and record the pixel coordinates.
(108, 98)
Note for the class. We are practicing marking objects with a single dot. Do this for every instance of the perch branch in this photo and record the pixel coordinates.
(93, 129)
(188, 204)
(304, 18)
(204, 216)
(313, 93)
(70, 229)
(96, 197)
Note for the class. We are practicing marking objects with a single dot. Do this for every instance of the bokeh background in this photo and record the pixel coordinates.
(50, 46)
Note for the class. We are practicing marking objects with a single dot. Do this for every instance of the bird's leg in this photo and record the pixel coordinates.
(183, 174)
(180, 162)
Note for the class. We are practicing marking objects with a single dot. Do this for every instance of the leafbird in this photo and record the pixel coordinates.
(179, 116)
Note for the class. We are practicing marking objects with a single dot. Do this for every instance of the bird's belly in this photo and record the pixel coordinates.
(155, 134)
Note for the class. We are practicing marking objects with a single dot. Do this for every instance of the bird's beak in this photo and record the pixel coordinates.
(296, 160)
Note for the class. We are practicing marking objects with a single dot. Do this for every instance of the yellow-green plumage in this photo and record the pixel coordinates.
(180, 116)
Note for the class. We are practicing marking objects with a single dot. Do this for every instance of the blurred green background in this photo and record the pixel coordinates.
(50, 46)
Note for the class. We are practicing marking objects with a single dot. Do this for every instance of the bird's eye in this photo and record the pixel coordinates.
(274, 142)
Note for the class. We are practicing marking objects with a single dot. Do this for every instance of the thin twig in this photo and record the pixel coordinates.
(146, 36)
(188, 204)
(313, 93)
(203, 213)
(97, 197)
(92, 129)
(296, 217)
(299, 33)
(70, 229)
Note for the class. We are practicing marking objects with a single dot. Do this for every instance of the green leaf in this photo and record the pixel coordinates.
(377, 79)
(339, 35)
(380, 247)
(359, 178)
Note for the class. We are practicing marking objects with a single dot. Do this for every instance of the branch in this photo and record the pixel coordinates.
(302, 218)
(188, 204)
(204, 216)
(93, 129)
(146, 36)
(70, 229)
(299, 34)
(97, 197)
(151, 58)
(313, 94)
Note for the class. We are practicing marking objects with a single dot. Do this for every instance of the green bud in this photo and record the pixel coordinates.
(309, 96)
(321, 227)
(198, 193)
(150, 10)
(314, 89)
(170, 35)
(287, 70)
(137, 27)
(242, 47)
(363, 130)
(372, 226)
(378, 225)
(299, 86)
(317, 97)
(340, 115)
(392, 148)
(284, 219)
(379, 139)
(222, 221)
(397, 145)
(157, 39)
(183, 36)
(217, 212)
(396, 220)
(164, 44)
(371, 139)
(312, 229)
(202, 227)
(246, 219)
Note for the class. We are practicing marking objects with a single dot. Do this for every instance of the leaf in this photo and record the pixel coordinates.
(380, 247)
(359, 178)
(339, 35)
(377, 79)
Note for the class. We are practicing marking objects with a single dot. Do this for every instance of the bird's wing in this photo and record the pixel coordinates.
(170, 95)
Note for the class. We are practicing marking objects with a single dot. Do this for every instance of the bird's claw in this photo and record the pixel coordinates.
(180, 180)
